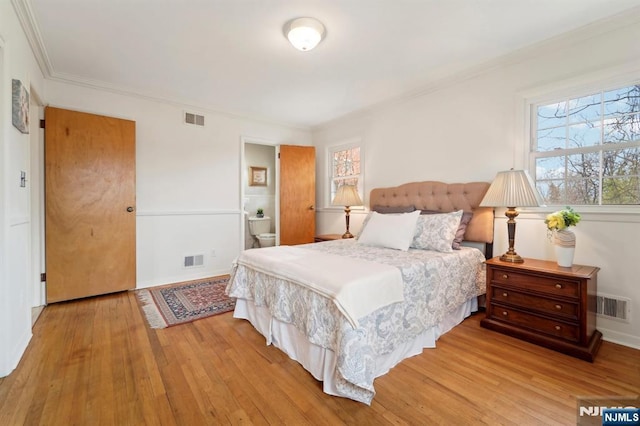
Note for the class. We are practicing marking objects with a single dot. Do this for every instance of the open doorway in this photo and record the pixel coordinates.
(259, 193)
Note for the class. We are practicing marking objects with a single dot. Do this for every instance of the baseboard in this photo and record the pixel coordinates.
(620, 338)
(180, 278)
(14, 358)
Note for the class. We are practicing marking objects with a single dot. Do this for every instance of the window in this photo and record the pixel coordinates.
(585, 150)
(345, 162)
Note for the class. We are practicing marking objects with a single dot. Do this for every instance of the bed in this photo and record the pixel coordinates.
(348, 323)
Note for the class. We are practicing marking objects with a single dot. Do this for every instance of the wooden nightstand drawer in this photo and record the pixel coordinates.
(568, 310)
(545, 325)
(549, 285)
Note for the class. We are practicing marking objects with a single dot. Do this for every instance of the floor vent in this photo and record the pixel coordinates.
(194, 261)
(191, 118)
(613, 307)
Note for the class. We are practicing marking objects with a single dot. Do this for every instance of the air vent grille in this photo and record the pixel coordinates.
(613, 307)
(191, 118)
(194, 261)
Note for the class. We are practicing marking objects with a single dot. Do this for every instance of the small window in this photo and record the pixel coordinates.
(585, 150)
(345, 162)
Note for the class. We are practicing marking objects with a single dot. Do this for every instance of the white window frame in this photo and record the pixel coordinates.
(573, 88)
(344, 145)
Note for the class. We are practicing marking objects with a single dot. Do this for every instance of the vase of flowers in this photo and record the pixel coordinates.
(563, 239)
(260, 213)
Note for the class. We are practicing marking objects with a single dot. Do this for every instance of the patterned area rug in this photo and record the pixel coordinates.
(184, 302)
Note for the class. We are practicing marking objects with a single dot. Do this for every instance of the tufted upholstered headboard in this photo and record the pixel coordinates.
(444, 197)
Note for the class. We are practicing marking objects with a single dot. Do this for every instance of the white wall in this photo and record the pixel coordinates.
(470, 127)
(187, 179)
(16, 288)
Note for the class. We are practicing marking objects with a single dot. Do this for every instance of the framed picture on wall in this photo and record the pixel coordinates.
(19, 106)
(257, 176)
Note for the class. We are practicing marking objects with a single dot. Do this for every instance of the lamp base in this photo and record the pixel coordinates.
(511, 258)
(347, 235)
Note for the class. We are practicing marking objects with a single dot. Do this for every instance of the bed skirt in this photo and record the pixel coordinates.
(321, 362)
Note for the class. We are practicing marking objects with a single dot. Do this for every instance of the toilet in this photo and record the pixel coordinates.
(267, 239)
(259, 228)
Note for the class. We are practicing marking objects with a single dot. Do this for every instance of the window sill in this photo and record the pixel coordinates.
(622, 214)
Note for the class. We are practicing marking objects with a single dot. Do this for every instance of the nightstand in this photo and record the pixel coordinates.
(546, 304)
(328, 237)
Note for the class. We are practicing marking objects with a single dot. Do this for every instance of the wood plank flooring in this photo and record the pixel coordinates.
(96, 362)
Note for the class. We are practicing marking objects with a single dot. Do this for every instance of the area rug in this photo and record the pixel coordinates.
(185, 302)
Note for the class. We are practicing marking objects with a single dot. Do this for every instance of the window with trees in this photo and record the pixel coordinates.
(346, 168)
(586, 150)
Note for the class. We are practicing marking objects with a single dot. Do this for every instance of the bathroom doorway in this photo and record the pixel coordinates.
(259, 192)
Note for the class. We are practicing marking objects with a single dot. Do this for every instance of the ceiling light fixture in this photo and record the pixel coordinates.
(304, 33)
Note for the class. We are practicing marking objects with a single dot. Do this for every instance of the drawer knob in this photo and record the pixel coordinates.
(558, 307)
(557, 327)
(505, 276)
(558, 285)
(505, 294)
(505, 313)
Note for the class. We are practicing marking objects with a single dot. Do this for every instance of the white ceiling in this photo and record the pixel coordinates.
(232, 56)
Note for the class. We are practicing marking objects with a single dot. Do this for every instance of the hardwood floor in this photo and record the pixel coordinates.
(95, 361)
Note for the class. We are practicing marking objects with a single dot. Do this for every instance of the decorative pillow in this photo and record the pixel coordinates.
(436, 231)
(462, 228)
(394, 231)
(385, 210)
(391, 210)
(364, 224)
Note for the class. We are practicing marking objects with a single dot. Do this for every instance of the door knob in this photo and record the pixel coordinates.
(310, 207)
(129, 209)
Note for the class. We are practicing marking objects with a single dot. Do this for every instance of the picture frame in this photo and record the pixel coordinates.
(257, 176)
(19, 106)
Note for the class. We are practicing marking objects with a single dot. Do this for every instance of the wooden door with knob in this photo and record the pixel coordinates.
(90, 220)
(297, 194)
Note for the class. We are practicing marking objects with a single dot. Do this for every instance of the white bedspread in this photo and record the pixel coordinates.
(357, 287)
(435, 284)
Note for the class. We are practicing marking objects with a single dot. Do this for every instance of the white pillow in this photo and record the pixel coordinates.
(436, 231)
(394, 231)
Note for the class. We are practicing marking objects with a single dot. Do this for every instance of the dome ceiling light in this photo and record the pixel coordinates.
(304, 33)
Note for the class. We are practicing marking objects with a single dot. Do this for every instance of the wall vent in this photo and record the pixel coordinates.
(191, 118)
(194, 261)
(613, 307)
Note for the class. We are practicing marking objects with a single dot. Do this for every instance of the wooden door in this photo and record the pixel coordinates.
(90, 234)
(297, 194)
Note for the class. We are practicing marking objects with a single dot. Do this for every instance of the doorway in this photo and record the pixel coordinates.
(259, 157)
(36, 187)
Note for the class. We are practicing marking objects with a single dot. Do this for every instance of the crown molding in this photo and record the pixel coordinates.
(24, 11)
(29, 25)
(562, 41)
(184, 104)
(598, 28)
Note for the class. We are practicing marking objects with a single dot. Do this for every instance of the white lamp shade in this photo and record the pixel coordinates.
(304, 33)
(347, 195)
(512, 188)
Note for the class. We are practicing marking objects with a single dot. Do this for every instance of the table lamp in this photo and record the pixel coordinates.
(347, 196)
(511, 189)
